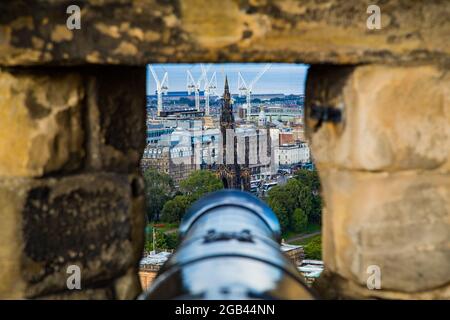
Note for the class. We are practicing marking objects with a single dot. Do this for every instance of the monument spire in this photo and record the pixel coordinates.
(227, 89)
(230, 171)
(227, 118)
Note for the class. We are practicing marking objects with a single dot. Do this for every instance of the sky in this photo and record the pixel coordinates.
(279, 78)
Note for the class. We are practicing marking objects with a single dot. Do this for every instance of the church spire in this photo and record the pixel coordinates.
(227, 89)
(226, 117)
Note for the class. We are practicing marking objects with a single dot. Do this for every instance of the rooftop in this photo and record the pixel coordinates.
(155, 259)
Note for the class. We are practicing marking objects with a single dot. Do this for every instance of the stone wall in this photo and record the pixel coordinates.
(385, 173)
(70, 189)
(134, 32)
(146, 278)
(72, 130)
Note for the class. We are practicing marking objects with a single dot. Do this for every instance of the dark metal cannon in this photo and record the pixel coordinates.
(229, 250)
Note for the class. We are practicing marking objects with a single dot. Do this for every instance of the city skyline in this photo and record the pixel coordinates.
(284, 78)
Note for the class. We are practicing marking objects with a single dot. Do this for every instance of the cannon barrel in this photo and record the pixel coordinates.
(229, 250)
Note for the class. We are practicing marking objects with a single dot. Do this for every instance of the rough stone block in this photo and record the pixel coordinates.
(128, 286)
(399, 222)
(93, 221)
(40, 122)
(394, 118)
(117, 118)
(135, 32)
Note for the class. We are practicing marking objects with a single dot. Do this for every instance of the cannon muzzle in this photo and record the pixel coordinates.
(230, 249)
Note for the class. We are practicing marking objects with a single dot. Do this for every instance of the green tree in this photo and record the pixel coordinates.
(285, 195)
(159, 188)
(291, 191)
(200, 183)
(161, 241)
(311, 200)
(295, 194)
(313, 249)
(280, 212)
(282, 200)
(299, 220)
(305, 199)
(174, 209)
(192, 188)
(316, 213)
(172, 239)
(310, 178)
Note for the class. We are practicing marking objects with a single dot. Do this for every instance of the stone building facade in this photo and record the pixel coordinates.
(290, 154)
(72, 110)
(177, 162)
(147, 275)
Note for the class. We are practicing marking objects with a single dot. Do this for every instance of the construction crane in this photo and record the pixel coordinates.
(209, 88)
(162, 87)
(246, 90)
(194, 86)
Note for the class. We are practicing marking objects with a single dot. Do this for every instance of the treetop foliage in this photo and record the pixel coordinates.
(298, 202)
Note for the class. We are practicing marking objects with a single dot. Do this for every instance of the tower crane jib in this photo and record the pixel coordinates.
(246, 90)
(162, 87)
